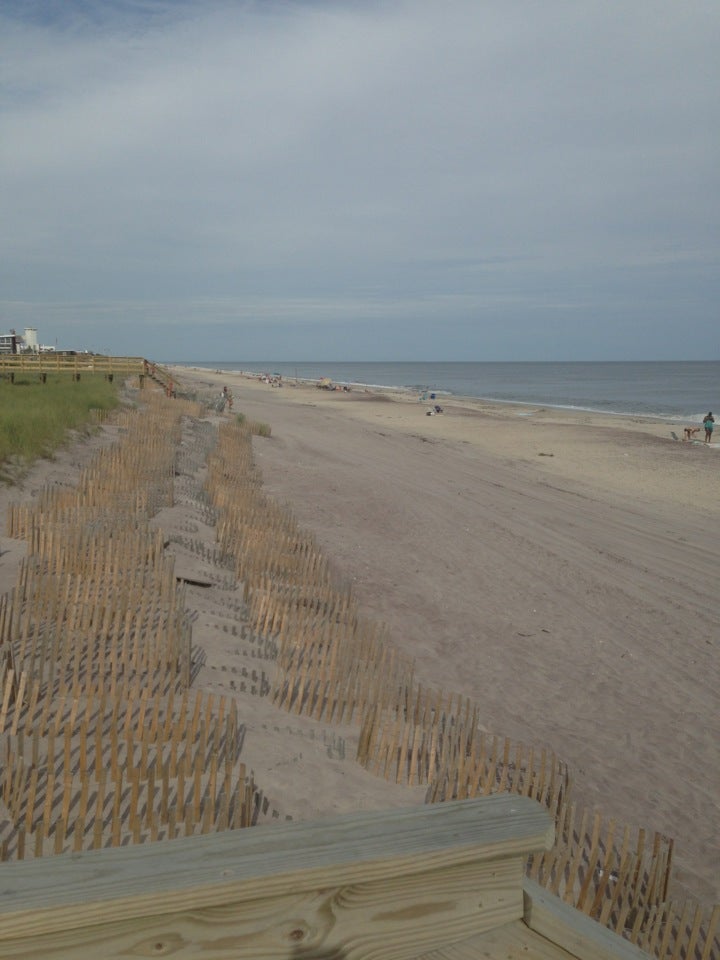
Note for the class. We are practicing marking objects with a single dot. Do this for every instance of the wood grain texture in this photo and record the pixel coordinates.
(389, 884)
(395, 918)
(572, 930)
(512, 941)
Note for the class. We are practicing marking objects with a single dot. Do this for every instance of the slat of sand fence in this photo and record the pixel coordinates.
(459, 759)
(616, 909)
(491, 772)
(49, 802)
(116, 823)
(646, 879)
(180, 788)
(18, 703)
(8, 773)
(659, 930)
(655, 929)
(9, 692)
(418, 750)
(664, 863)
(39, 838)
(212, 786)
(59, 836)
(164, 794)
(672, 918)
(574, 844)
(78, 834)
(615, 894)
(685, 945)
(604, 871)
(20, 844)
(524, 772)
(591, 856)
(391, 750)
(712, 927)
(480, 764)
(402, 754)
(82, 811)
(133, 816)
(31, 797)
(559, 871)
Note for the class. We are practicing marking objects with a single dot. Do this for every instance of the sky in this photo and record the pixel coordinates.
(368, 180)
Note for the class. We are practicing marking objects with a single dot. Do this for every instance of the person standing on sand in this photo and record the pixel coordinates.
(708, 423)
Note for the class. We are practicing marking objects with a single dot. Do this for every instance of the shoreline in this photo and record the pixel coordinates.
(412, 392)
(558, 568)
(567, 440)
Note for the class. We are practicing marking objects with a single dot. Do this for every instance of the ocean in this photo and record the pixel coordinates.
(677, 390)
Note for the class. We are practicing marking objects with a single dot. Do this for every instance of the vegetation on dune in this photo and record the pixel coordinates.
(260, 429)
(35, 417)
(256, 427)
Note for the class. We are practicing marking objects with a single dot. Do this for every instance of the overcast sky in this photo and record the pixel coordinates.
(370, 180)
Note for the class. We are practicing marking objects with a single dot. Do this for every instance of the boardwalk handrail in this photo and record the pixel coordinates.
(69, 363)
(413, 880)
(410, 878)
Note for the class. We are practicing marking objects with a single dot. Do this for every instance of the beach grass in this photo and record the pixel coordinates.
(35, 417)
(257, 428)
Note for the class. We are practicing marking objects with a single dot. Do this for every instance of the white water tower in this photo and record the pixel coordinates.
(31, 340)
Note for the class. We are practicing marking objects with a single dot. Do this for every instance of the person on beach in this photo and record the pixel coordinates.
(708, 423)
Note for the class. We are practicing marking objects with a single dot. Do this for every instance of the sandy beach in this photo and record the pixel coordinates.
(559, 569)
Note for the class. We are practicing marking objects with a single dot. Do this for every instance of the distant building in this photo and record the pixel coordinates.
(9, 342)
(14, 343)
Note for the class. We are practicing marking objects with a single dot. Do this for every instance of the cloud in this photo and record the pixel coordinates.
(332, 162)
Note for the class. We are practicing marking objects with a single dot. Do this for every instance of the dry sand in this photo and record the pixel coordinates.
(558, 569)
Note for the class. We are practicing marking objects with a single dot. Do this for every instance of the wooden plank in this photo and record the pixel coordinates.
(389, 850)
(511, 941)
(572, 930)
(401, 916)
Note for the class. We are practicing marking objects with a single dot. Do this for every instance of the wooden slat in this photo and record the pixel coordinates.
(420, 873)
(572, 930)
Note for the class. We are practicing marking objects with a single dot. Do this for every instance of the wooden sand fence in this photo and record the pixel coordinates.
(103, 770)
(101, 742)
(335, 666)
(331, 663)
(613, 874)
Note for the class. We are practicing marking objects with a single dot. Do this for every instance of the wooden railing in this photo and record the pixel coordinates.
(69, 363)
(42, 364)
(394, 885)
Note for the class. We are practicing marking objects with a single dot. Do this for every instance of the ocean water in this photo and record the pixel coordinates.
(678, 390)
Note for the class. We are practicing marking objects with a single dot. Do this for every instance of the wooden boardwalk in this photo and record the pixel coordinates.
(73, 363)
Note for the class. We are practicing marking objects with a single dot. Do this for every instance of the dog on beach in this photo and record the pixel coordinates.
(690, 432)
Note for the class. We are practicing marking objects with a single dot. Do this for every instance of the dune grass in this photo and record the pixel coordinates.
(257, 427)
(260, 429)
(35, 417)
